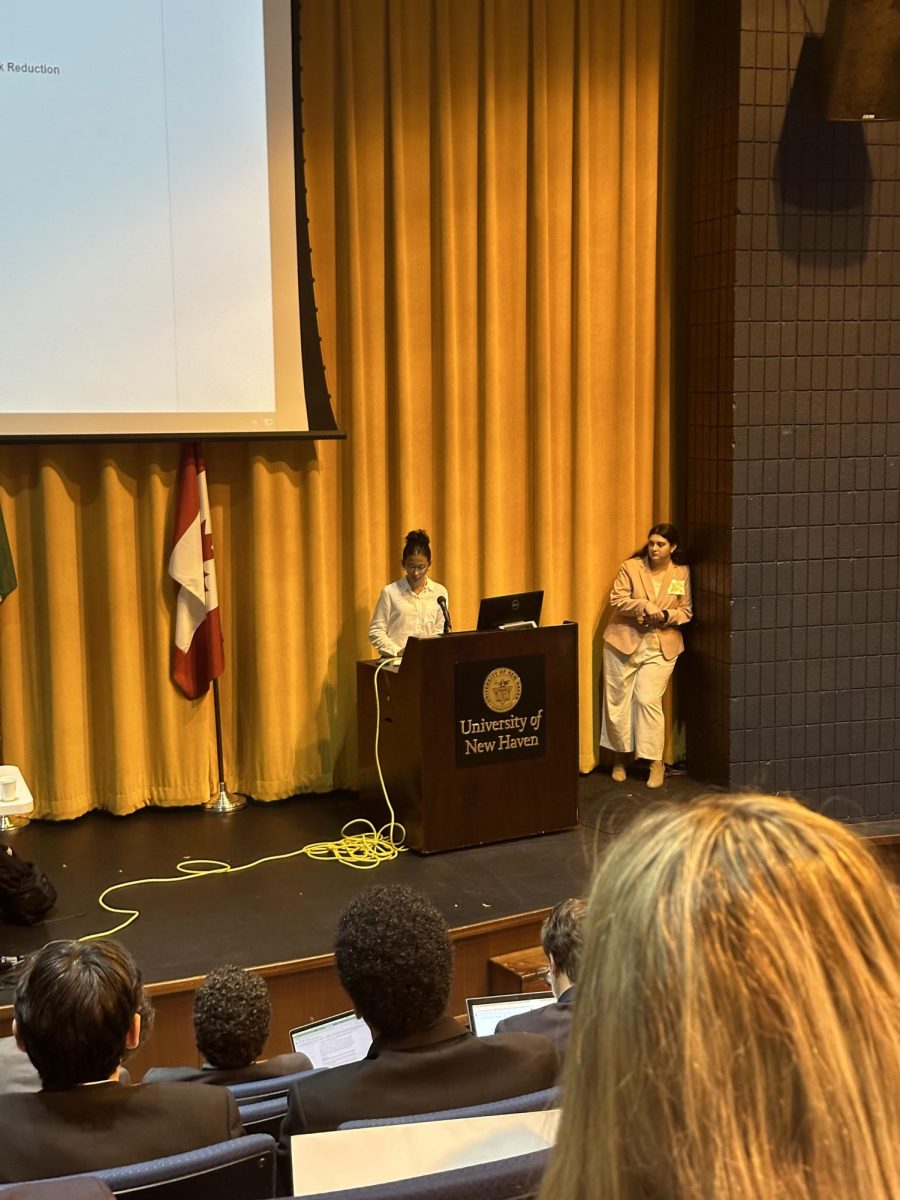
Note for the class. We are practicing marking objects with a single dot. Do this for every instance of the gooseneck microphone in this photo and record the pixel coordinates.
(442, 604)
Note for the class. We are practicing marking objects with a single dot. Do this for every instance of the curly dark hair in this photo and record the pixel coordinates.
(74, 1004)
(561, 936)
(395, 959)
(232, 1014)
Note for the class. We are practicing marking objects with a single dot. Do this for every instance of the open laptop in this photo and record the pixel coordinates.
(333, 1041)
(486, 1011)
(510, 612)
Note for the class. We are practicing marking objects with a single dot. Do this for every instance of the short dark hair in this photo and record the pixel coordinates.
(416, 541)
(232, 1014)
(395, 959)
(561, 936)
(74, 1004)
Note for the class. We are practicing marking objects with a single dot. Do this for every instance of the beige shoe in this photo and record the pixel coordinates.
(657, 775)
(618, 773)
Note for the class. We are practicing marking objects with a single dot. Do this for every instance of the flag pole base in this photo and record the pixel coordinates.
(11, 824)
(225, 801)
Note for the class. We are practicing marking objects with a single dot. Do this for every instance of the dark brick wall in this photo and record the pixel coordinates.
(813, 678)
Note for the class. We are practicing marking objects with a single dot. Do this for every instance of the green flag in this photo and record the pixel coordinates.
(8, 579)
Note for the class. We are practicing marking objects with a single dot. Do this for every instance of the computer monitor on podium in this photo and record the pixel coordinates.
(510, 612)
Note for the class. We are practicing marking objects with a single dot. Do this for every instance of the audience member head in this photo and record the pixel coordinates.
(737, 1026)
(232, 1013)
(79, 1006)
(561, 938)
(395, 959)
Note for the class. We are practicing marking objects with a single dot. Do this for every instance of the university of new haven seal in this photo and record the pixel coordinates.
(502, 689)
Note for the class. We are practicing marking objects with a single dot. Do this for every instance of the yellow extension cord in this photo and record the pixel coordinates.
(364, 850)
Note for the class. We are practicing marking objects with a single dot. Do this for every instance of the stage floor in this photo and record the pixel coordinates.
(287, 910)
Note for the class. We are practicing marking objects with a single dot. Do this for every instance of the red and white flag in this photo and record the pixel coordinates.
(198, 656)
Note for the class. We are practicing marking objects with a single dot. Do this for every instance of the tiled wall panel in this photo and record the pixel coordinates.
(812, 672)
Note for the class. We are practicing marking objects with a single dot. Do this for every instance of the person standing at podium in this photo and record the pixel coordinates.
(411, 607)
(651, 599)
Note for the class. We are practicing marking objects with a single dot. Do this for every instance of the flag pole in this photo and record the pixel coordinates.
(8, 583)
(225, 801)
(198, 656)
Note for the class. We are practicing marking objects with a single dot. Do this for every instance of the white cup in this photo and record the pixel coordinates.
(8, 784)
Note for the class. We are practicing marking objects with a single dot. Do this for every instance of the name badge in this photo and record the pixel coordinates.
(676, 587)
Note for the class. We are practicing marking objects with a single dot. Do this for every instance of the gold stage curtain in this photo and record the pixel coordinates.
(489, 188)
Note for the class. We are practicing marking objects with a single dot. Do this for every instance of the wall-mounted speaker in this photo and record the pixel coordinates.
(861, 60)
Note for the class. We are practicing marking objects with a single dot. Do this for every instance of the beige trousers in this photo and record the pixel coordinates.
(633, 687)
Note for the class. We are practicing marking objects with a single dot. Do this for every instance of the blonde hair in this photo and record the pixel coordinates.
(737, 1024)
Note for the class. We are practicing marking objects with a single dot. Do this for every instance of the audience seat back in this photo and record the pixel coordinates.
(242, 1169)
(268, 1089)
(265, 1116)
(531, 1102)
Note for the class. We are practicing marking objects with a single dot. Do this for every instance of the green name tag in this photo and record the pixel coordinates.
(676, 587)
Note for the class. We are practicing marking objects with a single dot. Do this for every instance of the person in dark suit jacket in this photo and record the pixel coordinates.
(16, 1072)
(79, 1008)
(561, 939)
(232, 1017)
(395, 960)
(18, 1075)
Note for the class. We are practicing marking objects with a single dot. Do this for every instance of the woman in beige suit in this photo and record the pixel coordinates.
(651, 599)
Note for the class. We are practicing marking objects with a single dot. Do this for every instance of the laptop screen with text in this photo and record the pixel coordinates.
(333, 1041)
(486, 1011)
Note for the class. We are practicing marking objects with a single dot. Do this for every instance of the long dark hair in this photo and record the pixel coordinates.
(670, 533)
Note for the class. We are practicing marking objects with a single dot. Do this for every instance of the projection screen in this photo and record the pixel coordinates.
(149, 221)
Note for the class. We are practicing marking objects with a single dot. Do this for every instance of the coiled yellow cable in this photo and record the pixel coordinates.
(363, 850)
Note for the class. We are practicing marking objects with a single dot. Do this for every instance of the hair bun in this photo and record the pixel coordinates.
(417, 542)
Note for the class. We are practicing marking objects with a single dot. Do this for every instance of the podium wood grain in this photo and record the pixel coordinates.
(446, 806)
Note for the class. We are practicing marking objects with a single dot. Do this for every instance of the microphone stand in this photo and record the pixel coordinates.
(445, 609)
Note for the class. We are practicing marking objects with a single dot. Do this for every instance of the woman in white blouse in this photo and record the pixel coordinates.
(410, 607)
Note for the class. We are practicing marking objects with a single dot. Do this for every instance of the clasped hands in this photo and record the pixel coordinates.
(652, 615)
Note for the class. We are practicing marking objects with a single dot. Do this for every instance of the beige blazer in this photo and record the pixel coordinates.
(632, 591)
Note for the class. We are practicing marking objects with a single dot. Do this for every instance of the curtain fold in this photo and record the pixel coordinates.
(490, 217)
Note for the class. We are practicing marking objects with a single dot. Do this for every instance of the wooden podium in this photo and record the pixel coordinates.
(478, 735)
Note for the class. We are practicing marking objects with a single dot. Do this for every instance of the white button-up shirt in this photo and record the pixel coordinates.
(402, 613)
